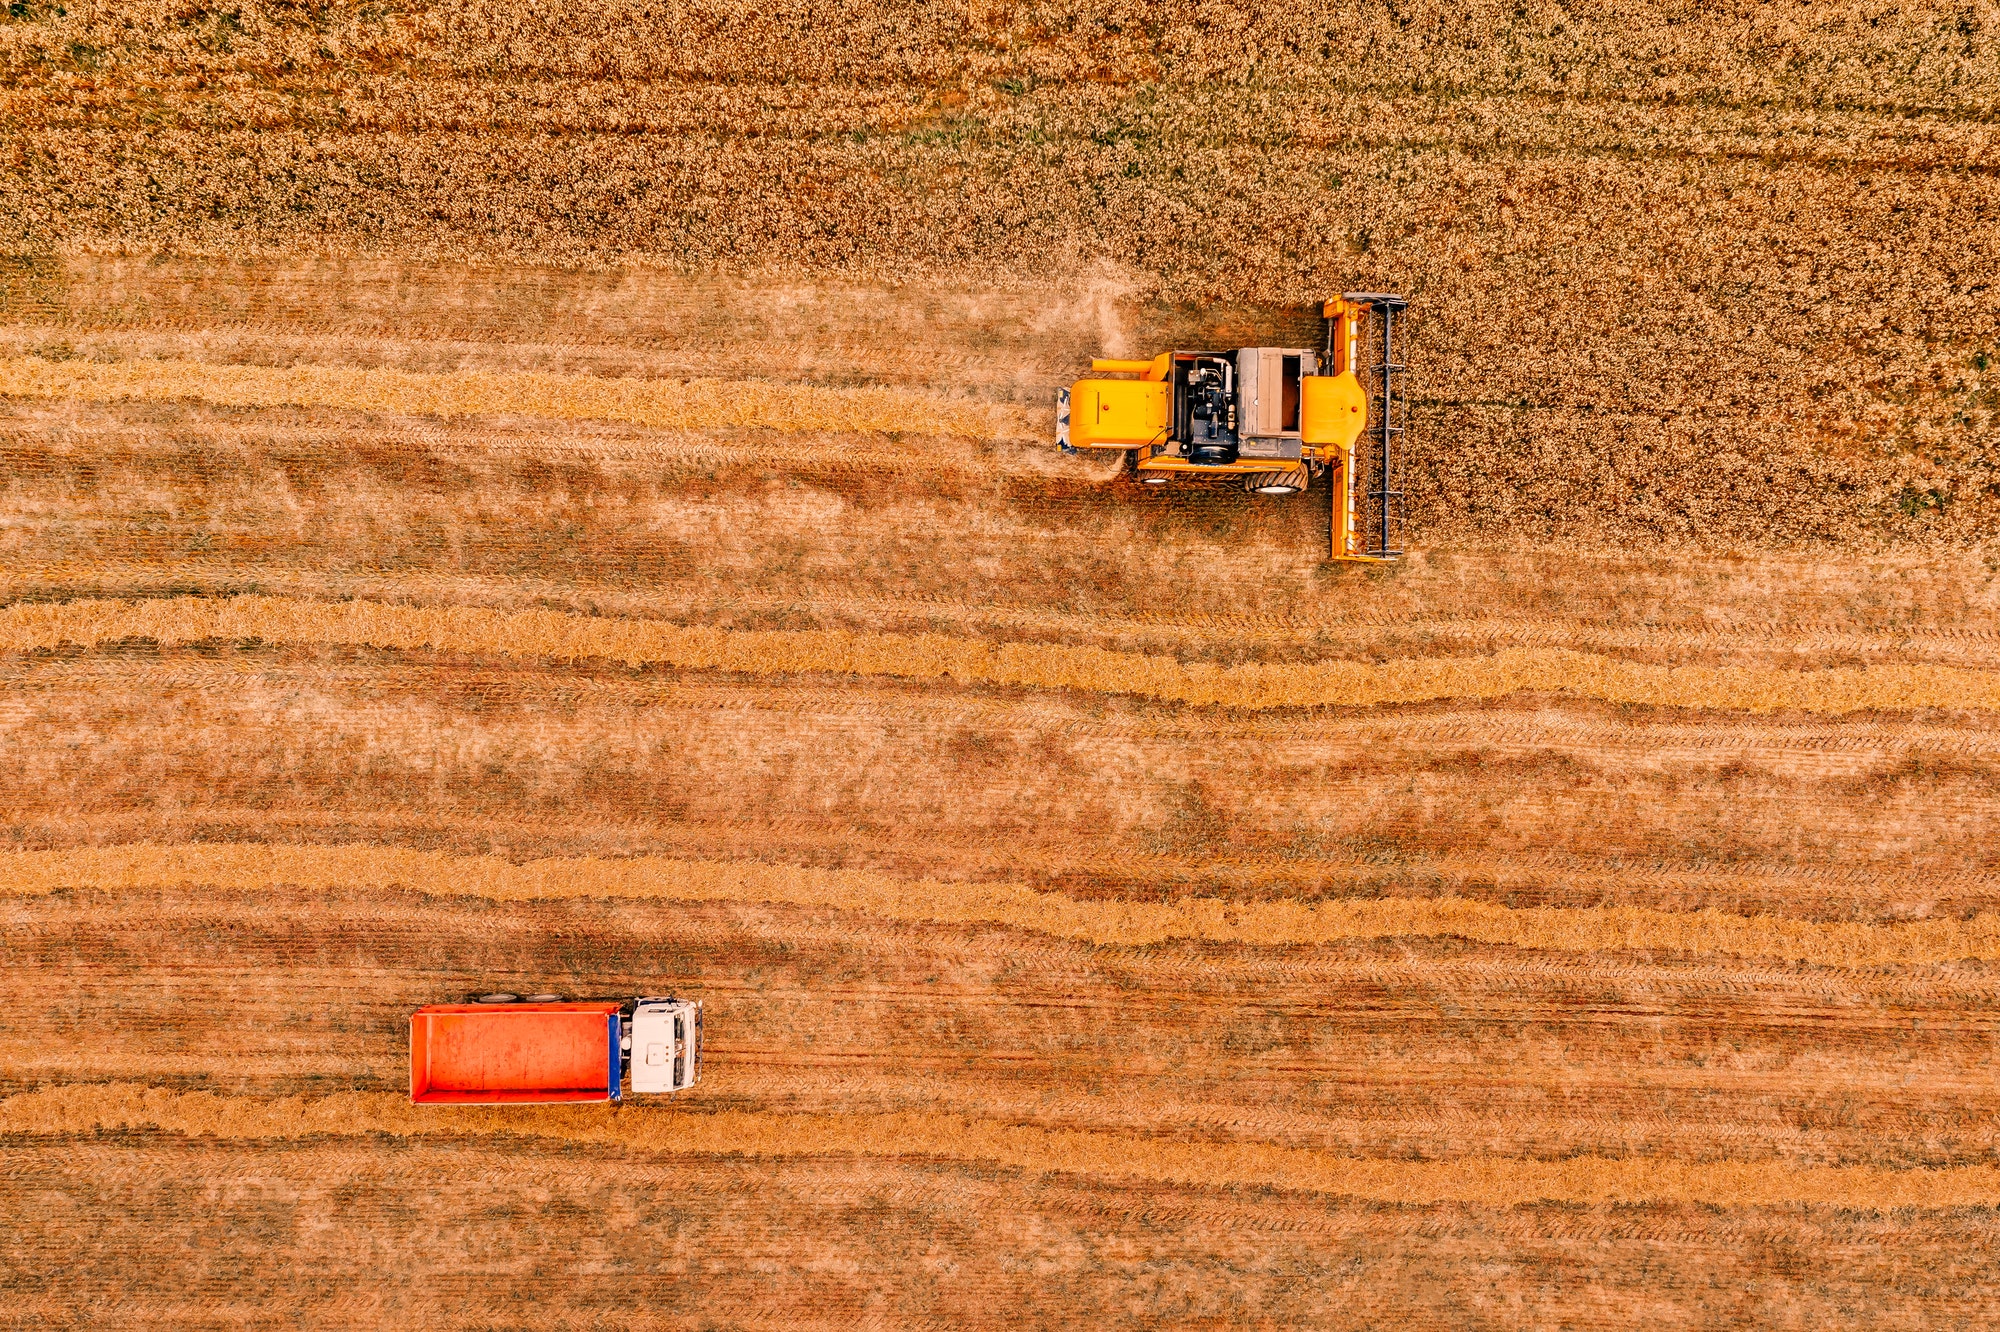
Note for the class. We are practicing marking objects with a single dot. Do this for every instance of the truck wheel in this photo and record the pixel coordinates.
(541, 999)
(498, 999)
(1288, 482)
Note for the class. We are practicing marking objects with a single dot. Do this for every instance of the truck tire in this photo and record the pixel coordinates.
(541, 998)
(1288, 482)
(497, 999)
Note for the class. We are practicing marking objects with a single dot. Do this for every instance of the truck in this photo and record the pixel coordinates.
(506, 1049)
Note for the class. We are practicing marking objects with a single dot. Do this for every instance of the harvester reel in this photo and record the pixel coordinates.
(1288, 482)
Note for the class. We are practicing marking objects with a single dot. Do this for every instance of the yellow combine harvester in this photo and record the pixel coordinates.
(1273, 417)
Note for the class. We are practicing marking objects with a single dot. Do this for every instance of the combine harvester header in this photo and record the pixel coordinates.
(1273, 417)
(504, 1050)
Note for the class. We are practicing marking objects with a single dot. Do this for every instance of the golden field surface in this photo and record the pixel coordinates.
(521, 497)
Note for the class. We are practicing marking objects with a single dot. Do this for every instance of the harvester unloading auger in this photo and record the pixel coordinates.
(1275, 417)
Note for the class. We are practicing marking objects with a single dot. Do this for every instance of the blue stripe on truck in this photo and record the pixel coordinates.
(617, 1070)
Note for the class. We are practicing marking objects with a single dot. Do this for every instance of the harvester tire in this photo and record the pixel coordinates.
(1288, 482)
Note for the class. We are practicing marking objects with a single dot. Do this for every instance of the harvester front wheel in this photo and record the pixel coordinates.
(1145, 478)
(1288, 482)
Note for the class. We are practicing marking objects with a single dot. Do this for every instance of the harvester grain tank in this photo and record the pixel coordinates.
(1268, 418)
(502, 1049)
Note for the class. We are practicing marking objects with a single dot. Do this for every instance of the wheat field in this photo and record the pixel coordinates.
(540, 498)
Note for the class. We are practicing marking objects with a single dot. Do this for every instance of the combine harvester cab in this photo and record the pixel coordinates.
(1270, 418)
(504, 1050)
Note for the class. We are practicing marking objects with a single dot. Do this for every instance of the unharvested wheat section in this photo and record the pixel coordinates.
(500, 498)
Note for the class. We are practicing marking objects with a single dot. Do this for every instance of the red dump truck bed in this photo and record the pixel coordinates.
(490, 1054)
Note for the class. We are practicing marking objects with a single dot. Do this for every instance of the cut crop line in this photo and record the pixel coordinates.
(555, 634)
(80, 1109)
(260, 867)
(680, 404)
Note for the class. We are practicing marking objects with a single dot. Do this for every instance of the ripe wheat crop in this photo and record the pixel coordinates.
(1710, 284)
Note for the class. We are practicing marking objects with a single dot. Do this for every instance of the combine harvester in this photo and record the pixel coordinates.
(505, 1050)
(1271, 417)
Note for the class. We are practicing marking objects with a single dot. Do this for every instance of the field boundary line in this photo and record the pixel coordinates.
(669, 403)
(80, 1109)
(32, 626)
(255, 867)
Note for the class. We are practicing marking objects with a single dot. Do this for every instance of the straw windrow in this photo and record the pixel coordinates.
(258, 867)
(551, 634)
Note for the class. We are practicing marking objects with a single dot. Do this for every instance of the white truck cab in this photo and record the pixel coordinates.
(663, 1046)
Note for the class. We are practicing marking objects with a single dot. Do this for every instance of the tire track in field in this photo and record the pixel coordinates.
(1487, 1181)
(554, 634)
(1117, 923)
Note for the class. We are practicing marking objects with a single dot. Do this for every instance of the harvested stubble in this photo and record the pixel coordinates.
(1531, 800)
(1123, 924)
(636, 643)
(701, 403)
(1487, 1182)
